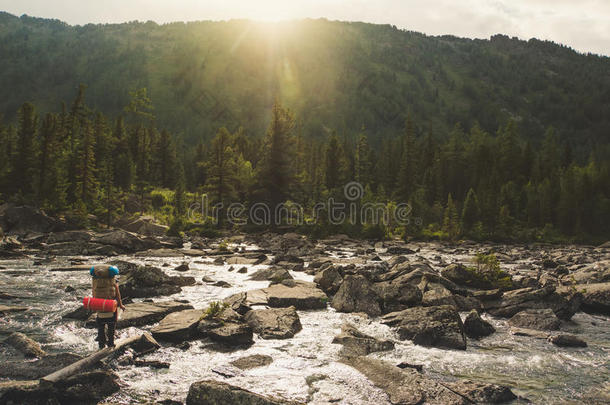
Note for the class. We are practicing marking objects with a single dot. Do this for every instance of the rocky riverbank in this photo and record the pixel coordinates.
(273, 318)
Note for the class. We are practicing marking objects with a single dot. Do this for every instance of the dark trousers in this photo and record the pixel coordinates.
(104, 337)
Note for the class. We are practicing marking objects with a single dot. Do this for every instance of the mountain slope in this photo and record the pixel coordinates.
(335, 75)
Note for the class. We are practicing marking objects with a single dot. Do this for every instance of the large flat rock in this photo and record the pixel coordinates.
(145, 313)
(299, 294)
(178, 326)
(212, 392)
(7, 309)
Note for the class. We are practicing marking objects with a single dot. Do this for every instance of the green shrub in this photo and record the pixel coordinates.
(487, 271)
(215, 308)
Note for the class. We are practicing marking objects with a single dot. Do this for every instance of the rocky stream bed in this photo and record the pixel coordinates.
(328, 321)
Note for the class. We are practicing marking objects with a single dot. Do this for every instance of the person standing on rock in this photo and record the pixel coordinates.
(105, 285)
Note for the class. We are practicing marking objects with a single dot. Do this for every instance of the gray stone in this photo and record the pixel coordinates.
(475, 327)
(25, 345)
(566, 340)
(178, 326)
(210, 392)
(437, 326)
(252, 361)
(274, 323)
(539, 319)
(356, 343)
(356, 294)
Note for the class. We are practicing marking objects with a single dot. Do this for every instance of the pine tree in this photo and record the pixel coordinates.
(276, 174)
(363, 162)
(165, 160)
(451, 222)
(222, 171)
(52, 183)
(406, 175)
(470, 212)
(124, 168)
(87, 181)
(334, 164)
(23, 174)
(180, 195)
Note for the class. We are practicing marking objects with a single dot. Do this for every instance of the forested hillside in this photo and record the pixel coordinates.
(334, 75)
(500, 139)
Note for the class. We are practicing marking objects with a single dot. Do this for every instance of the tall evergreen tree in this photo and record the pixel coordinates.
(23, 174)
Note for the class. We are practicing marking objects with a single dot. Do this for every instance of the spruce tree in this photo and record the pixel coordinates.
(23, 174)
(470, 212)
(451, 222)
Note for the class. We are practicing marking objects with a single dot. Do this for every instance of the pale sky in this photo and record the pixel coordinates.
(581, 24)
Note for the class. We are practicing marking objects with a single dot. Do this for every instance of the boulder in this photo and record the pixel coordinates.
(437, 326)
(87, 388)
(356, 343)
(395, 296)
(594, 273)
(21, 220)
(231, 334)
(566, 340)
(252, 361)
(144, 313)
(475, 327)
(148, 281)
(404, 386)
(33, 370)
(178, 326)
(210, 392)
(274, 323)
(276, 274)
(299, 294)
(328, 279)
(25, 345)
(145, 225)
(437, 294)
(539, 319)
(69, 236)
(356, 294)
(519, 300)
(182, 267)
(595, 297)
(464, 276)
(126, 242)
(482, 393)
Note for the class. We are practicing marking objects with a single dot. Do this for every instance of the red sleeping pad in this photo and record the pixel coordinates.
(99, 304)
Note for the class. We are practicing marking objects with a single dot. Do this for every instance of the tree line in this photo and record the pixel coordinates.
(464, 184)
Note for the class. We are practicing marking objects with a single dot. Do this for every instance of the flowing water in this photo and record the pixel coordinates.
(306, 367)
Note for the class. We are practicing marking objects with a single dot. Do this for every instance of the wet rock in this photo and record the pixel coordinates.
(25, 345)
(274, 323)
(219, 261)
(145, 313)
(436, 294)
(25, 392)
(243, 302)
(356, 343)
(182, 267)
(145, 225)
(178, 326)
(126, 242)
(69, 236)
(356, 294)
(328, 279)
(417, 367)
(373, 272)
(252, 361)
(276, 274)
(395, 296)
(475, 327)
(487, 295)
(33, 370)
(400, 250)
(243, 270)
(21, 220)
(87, 388)
(482, 393)
(69, 289)
(222, 284)
(147, 281)
(438, 326)
(566, 340)
(156, 364)
(7, 309)
(595, 297)
(403, 386)
(301, 295)
(464, 276)
(231, 334)
(144, 345)
(519, 300)
(539, 319)
(536, 334)
(210, 392)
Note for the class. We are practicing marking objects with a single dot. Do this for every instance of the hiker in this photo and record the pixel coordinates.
(105, 285)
